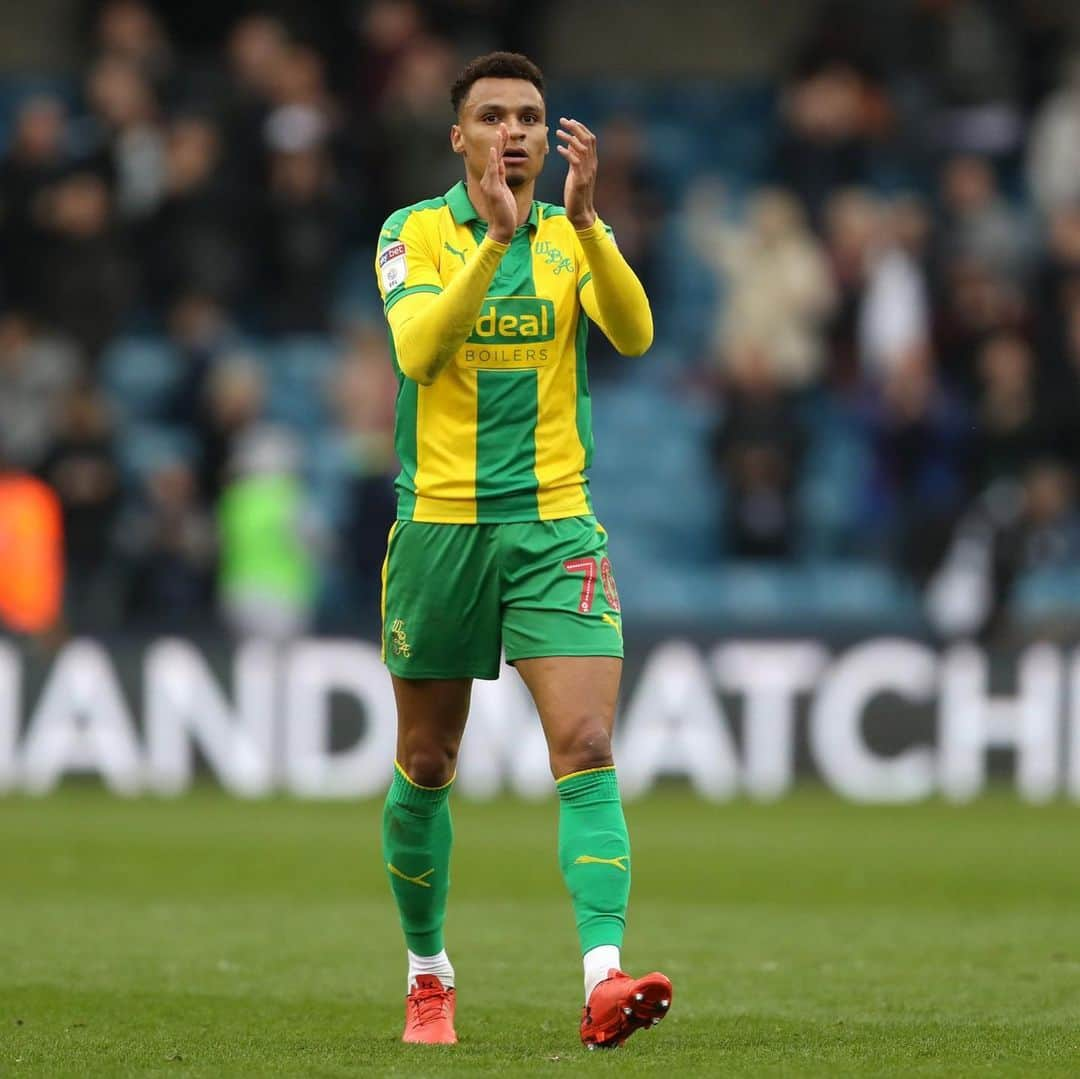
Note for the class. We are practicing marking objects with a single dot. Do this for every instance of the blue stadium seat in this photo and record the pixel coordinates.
(356, 298)
(300, 370)
(1048, 593)
(139, 373)
(145, 447)
(327, 467)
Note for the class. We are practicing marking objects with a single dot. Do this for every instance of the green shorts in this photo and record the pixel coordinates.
(455, 595)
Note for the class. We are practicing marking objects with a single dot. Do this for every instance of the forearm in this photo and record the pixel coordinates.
(428, 330)
(622, 308)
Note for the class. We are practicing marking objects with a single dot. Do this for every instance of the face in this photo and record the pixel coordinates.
(515, 103)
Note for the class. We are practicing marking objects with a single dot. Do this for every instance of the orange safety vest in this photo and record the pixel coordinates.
(31, 554)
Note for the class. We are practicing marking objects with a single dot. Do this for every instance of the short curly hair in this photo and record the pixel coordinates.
(495, 65)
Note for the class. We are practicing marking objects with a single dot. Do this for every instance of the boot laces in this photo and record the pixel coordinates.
(429, 1005)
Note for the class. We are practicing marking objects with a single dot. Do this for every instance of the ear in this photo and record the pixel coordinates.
(457, 139)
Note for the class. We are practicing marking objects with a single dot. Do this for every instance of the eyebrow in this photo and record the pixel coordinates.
(491, 107)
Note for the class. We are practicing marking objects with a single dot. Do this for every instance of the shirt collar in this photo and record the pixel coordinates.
(463, 211)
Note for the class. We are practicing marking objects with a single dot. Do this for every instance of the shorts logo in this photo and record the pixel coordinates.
(399, 642)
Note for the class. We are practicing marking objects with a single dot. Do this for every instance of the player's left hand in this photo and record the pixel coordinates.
(579, 149)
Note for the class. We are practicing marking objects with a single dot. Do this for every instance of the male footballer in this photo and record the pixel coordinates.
(495, 546)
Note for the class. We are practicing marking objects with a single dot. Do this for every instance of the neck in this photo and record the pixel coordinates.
(523, 196)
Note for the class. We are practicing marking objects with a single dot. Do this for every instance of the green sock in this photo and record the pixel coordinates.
(594, 854)
(417, 836)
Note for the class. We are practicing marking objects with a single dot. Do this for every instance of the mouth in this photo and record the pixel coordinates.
(515, 155)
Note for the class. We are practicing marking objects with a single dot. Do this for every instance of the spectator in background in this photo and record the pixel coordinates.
(758, 448)
(978, 225)
(256, 47)
(634, 205)
(83, 471)
(37, 156)
(779, 292)
(299, 82)
(975, 305)
(200, 331)
(852, 223)
(84, 280)
(829, 115)
(894, 316)
(364, 392)
(268, 580)
(38, 371)
(915, 430)
(1013, 428)
(1057, 283)
(634, 209)
(1062, 391)
(132, 143)
(195, 243)
(31, 553)
(1053, 161)
(170, 545)
(302, 231)
(387, 28)
(1018, 526)
(413, 117)
(128, 30)
(233, 402)
(972, 58)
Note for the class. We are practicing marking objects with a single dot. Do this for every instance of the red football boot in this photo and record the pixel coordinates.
(429, 1013)
(619, 1005)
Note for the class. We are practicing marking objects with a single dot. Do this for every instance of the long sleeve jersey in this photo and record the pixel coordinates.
(493, 413)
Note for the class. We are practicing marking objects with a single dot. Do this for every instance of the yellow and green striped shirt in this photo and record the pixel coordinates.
(504, 432)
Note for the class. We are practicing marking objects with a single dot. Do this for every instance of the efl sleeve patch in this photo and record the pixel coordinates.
(393, 267)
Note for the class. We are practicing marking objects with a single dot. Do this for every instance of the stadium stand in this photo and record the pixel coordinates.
(836, 418)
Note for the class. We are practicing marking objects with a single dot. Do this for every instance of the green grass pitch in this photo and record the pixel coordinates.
(210, 937)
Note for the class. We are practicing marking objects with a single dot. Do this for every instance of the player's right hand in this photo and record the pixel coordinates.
(500, 207)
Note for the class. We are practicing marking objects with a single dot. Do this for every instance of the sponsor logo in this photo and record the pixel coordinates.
(418, 880)
(588, 859)
(393, 267)
(514, 320)
(553, 257)
(390, 252)
(455, 251)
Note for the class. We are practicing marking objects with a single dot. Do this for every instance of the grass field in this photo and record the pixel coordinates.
(208, 937)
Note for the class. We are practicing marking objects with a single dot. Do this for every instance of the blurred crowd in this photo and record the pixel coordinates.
(913, 255)
(210, 202)
(908, 256)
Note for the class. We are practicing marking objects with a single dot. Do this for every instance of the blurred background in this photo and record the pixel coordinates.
(858, 222)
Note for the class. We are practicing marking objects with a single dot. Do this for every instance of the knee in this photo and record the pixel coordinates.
(587, 746)
(429, 765)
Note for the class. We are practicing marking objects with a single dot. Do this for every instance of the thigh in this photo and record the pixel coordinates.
(431, 715)
(559, 595)
(576, 697)
(441, 602)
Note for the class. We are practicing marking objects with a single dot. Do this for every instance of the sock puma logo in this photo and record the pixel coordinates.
(420, 881)
(455, 251)
(588, 859)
